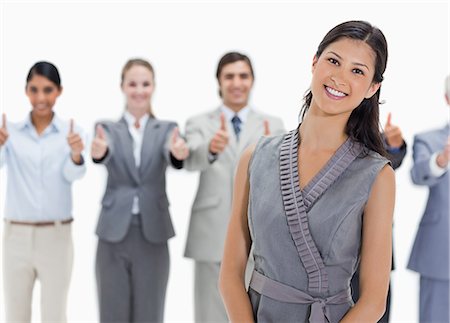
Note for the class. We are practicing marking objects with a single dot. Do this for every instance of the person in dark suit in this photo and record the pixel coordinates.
(396, 147)
(430, 253)
(132, 262)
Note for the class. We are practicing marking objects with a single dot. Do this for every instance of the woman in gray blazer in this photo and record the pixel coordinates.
(132, 263)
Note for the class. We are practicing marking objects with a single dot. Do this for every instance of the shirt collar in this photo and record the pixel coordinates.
(130, 119)
(55, 125)
(229, 114)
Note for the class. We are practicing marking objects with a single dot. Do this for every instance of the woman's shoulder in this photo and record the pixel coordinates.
(376, 157)
(269, 143)
(107, 124)
(266, 149)
(378, 160)
(371, 162)
(163, 122)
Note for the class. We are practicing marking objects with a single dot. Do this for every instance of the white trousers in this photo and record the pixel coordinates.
(36, 252)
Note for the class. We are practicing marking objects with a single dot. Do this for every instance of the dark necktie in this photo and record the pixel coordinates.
(236, 125)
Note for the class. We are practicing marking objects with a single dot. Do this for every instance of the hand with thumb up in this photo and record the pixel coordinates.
(393, 134)
(99, 145)
(443, 157)
(178, 146)
(3, 131)
(220, 140)
(266, 128)
(76, 144)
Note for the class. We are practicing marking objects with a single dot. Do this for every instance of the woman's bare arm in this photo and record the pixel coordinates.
(376, 250)
(237, 248)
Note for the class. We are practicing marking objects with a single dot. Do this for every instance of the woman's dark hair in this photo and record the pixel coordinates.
(363, 123)
(232, 57)
(46, 69)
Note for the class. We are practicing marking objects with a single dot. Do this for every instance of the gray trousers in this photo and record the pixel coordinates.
(434, 300)
(208, 303)
(132, 278)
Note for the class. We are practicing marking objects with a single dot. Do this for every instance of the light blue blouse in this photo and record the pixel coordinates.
(40, 172)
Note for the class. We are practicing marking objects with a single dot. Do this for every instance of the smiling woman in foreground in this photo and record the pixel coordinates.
(318, 200)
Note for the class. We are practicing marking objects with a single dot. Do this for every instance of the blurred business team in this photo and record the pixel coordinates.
(44, 156)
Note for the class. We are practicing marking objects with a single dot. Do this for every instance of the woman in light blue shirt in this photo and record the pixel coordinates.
(43, 155)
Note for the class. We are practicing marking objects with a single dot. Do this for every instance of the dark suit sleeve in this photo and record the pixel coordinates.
(396, 156)
(101, 160)
(178, 164)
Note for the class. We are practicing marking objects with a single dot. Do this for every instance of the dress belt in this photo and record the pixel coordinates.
(284, 293)
(40, 224)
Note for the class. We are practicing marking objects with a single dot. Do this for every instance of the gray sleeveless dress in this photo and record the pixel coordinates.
(306, 242)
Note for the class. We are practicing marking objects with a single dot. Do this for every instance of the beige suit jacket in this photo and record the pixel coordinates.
(212, 205)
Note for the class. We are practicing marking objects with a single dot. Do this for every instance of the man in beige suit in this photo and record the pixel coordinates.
(216, 140)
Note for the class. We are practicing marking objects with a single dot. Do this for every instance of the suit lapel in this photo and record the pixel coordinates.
(149, 148)
(126, 144)
(252, 130)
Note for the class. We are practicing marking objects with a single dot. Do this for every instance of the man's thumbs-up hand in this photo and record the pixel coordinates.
(266, 128)
(220, 140)
(393, 134)
(3, 131)
(443, 157)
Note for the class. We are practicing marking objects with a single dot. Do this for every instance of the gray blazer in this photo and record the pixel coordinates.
(212, 205)
(125, 181)
(430, 253)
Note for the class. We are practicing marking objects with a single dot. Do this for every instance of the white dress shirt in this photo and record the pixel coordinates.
(138, 135)
(434, 167)
(229, 114)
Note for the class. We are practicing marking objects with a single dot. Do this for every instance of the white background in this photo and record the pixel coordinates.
(90, 41)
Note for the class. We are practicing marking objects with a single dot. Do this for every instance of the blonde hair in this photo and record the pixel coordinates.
(138, 62)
